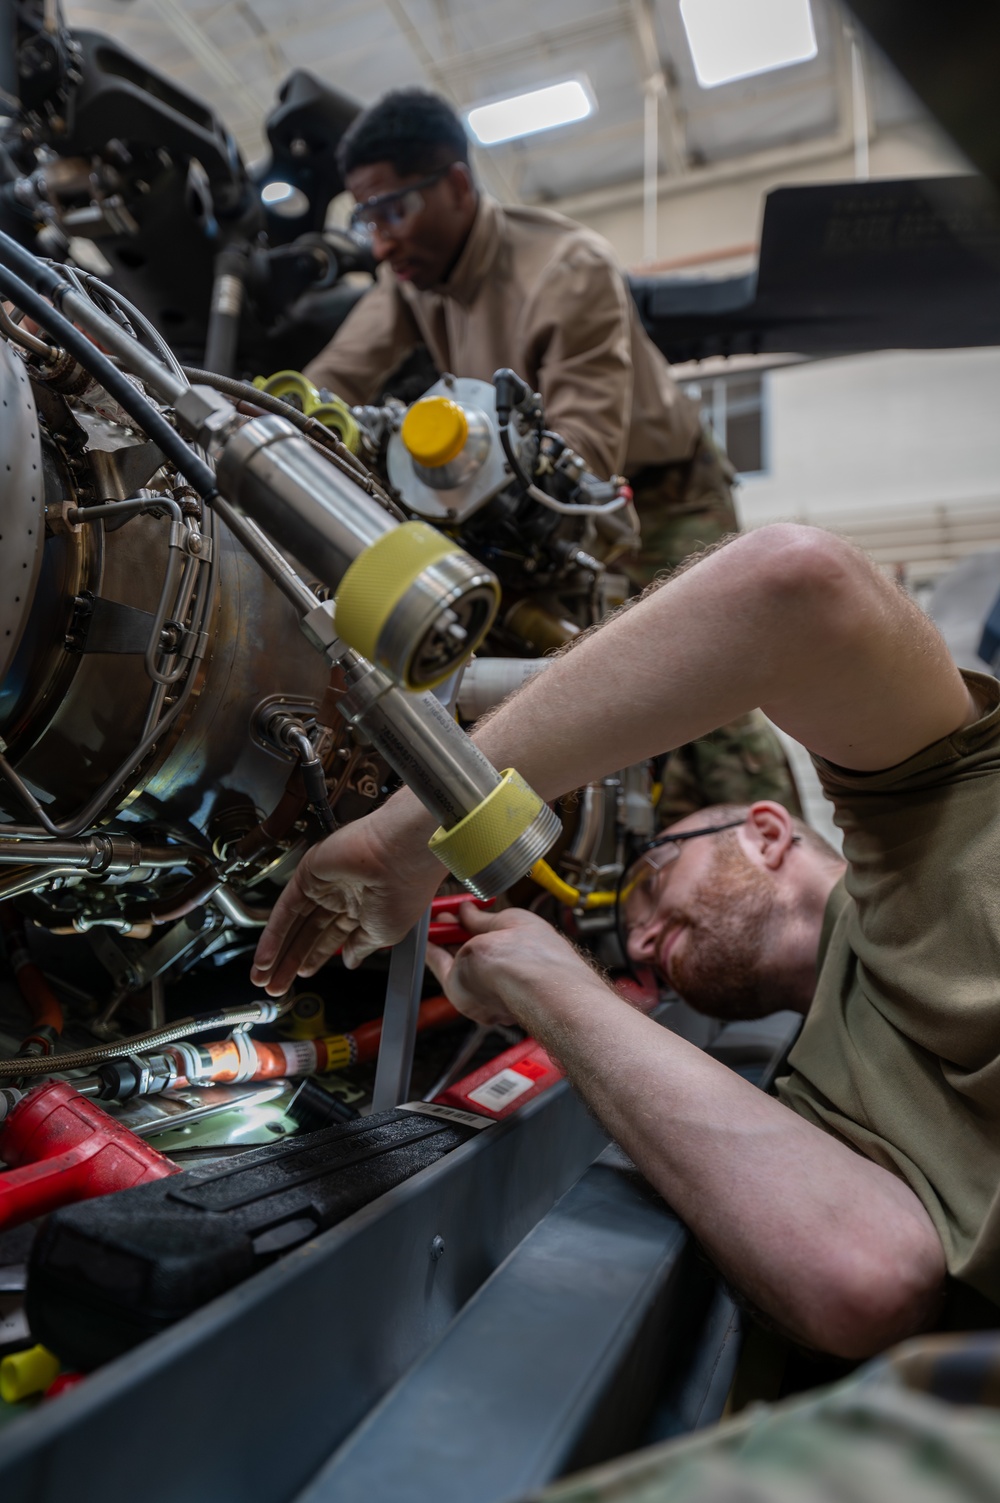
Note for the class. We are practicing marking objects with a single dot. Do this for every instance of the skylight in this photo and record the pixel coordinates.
(526, 114)
(732, 39)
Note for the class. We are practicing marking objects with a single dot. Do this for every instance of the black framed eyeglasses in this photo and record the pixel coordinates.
(388, 212)
(635, 895)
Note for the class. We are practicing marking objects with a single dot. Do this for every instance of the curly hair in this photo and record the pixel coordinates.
(415, 131)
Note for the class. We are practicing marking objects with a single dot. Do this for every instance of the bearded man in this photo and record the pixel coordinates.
(845, 1207)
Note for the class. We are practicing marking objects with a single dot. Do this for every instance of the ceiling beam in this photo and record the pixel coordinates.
(211, 57)
(653, 81)
(440, 79)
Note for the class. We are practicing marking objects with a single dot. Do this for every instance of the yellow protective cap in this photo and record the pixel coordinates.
(380, 577)
(25, 1373)
(489, 831)
(434, 431)
(290, 386)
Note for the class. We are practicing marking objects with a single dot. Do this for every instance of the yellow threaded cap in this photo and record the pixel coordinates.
(434, 431)
(25, 1373)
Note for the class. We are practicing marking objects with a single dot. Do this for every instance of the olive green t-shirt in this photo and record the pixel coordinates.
(900, 1053)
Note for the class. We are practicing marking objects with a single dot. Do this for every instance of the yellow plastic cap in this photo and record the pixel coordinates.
(434, 431)
(489, 830)
(25, 1373)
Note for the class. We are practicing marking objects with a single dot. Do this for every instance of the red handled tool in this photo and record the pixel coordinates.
(445, 928)
(63, 1148)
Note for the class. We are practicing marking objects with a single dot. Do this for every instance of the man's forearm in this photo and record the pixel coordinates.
(789, 619)
(776, 1203)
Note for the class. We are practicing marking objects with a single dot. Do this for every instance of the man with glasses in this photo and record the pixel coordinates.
(486, 287)
(848, 1207)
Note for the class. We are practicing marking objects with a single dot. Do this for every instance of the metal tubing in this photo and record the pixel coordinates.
(21, 336)
(30, 292)
(238, 912)
(28, 880)
(82, 1059)
(308, 506)
(147, 366)
(274, 563)
(421, 742)
(99, 854)
(399, 1026)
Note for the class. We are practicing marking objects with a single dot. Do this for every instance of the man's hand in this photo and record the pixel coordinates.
(357, 890)
(501, 975)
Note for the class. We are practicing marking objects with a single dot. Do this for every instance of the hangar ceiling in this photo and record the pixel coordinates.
(235, 54)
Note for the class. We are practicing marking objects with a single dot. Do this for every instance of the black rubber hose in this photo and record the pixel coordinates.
(28, 287)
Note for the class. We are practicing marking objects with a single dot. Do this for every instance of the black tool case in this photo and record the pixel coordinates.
(106, 1274)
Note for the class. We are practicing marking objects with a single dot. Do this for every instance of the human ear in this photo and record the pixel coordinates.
(770, 832)
(459, 180)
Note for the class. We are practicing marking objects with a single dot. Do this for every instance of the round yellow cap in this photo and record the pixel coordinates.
(434, 431)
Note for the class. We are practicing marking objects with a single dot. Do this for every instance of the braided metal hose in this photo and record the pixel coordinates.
(81, 1059)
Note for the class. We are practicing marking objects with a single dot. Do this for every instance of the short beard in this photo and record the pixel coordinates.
(730, 915)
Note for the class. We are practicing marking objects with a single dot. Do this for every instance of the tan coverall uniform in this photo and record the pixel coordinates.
(545, 296)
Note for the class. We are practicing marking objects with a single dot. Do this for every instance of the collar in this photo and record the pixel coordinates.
(478, 254)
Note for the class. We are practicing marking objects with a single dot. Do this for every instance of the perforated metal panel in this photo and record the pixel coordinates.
(22, 525)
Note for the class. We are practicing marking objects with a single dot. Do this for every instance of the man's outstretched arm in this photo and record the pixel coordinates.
(838, 1251)
(788, 618)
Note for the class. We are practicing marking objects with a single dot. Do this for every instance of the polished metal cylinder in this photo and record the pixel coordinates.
(420, 741)
(306, 504)
(493, 826)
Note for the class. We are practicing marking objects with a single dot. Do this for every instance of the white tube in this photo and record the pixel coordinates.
(487, 681)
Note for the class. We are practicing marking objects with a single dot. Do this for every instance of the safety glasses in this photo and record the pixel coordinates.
(387, 213)
(641, 884)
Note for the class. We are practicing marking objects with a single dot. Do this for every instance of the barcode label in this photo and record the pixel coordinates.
(446, 1113)
(501, 1090)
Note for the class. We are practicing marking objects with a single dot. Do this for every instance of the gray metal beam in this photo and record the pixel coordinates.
(518, 1383)
(601, 1330)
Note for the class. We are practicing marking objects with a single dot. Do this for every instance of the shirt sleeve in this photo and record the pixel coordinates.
(579, 340)
(375, 336)
(899, 1055)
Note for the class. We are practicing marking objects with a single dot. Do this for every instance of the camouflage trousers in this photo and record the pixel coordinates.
(683, 508)
(920, 1425)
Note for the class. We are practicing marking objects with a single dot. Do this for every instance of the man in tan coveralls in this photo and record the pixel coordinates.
(485, 287)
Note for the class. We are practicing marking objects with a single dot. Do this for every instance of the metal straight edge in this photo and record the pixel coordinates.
(399, 1027)
(406, 973)
(313, 1342)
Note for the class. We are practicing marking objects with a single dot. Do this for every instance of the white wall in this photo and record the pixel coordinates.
(892, 432)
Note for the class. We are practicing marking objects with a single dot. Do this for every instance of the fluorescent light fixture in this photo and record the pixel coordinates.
(732, 39)
(525, 114)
